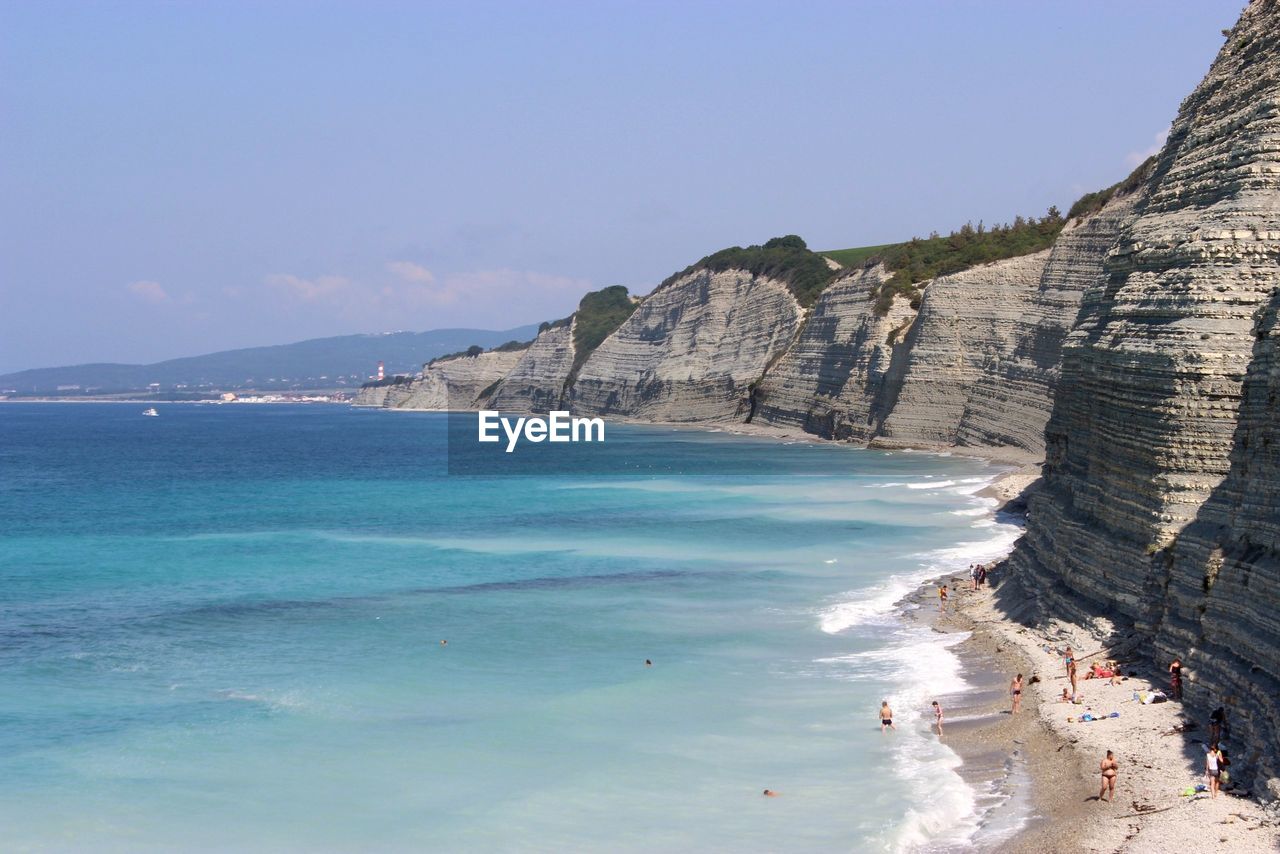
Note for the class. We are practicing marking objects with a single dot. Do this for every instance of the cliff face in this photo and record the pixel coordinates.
(977, 368)
(831, 381)
(1148, 434)
(537, 382)
(691, 350)
(982, 359)
(446, 384)
(1221, 611)
(971, 324)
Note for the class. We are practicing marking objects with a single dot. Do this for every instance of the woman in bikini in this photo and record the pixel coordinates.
(1015, 691)
(1069, 658)
(1110, 768)
(886, 716)
(1175, 679)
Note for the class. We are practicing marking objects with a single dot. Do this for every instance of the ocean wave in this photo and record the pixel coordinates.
(930, 484)
(923, 665)
(875, 605)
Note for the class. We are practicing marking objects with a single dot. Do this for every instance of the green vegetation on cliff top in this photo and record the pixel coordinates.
(919, 260)
(1091, 203)
(787, 259)
(599, 314)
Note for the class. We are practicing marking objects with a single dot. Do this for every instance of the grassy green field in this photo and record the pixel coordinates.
(854, 257)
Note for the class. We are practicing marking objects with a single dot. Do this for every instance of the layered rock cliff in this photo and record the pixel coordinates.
(456, 382)
(976, 367)
(832, 380)
(1158, 509)
(691, 351)
(538, 381)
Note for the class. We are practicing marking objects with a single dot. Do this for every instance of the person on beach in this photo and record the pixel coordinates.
(1015, 692)
(1213, 768)
(1217, 724)
(937, 717)
(973, 575)
(1069, 659)
(942, 598)
(886, 716)
(982, 574)
(1175, 679)
(1110, 768)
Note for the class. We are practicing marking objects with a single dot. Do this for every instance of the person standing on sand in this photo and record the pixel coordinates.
(1175, 679)
(886, 716)
(1015, 691)
(1069, 658)
(1213, 768)
(942, 598)
(1110, 768)
(973, 575)
(937, 717)
(1217, 724)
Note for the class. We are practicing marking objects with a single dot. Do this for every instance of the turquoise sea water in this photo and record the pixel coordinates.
(220, 630)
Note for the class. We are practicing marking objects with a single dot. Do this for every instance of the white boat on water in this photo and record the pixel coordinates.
(152, 412)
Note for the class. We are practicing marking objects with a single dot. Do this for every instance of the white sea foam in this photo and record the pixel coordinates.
(944, 809)
(931, 484)
(875, 605)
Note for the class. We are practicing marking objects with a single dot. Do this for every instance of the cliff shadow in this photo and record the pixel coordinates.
(1224, 576)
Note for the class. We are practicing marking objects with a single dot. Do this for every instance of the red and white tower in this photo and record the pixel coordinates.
(381, 373)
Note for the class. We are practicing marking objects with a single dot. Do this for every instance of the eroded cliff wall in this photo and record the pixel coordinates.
(537, 382)
(1148, 434)
(454, 383)
(831, 381)
(983, 358)
(691, 351)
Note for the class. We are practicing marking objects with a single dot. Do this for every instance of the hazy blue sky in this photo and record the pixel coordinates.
(179, 178)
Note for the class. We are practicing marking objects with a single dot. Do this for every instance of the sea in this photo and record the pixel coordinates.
(315, 628)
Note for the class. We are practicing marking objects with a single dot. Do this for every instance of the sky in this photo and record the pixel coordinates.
(178, 178)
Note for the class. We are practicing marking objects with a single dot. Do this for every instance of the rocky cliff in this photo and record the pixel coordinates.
(982, 359)
(831, 381)
(453, 383)
(975, 368)
(691, 351)
(537, 382)
(1158, 509)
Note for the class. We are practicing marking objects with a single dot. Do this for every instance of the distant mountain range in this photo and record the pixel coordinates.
(341, 361)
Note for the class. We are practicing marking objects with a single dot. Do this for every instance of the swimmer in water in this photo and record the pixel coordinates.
(770, 793)
(886, 716)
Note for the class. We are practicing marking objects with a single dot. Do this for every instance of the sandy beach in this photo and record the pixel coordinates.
(1045, 762)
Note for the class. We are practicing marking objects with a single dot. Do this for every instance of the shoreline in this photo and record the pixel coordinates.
(1046, 766)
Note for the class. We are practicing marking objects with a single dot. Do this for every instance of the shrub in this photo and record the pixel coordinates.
(787, 259)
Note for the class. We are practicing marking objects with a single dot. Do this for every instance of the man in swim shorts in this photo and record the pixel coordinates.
(886, 716)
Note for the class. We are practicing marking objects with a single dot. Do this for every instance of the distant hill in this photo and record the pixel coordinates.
(345, 360)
